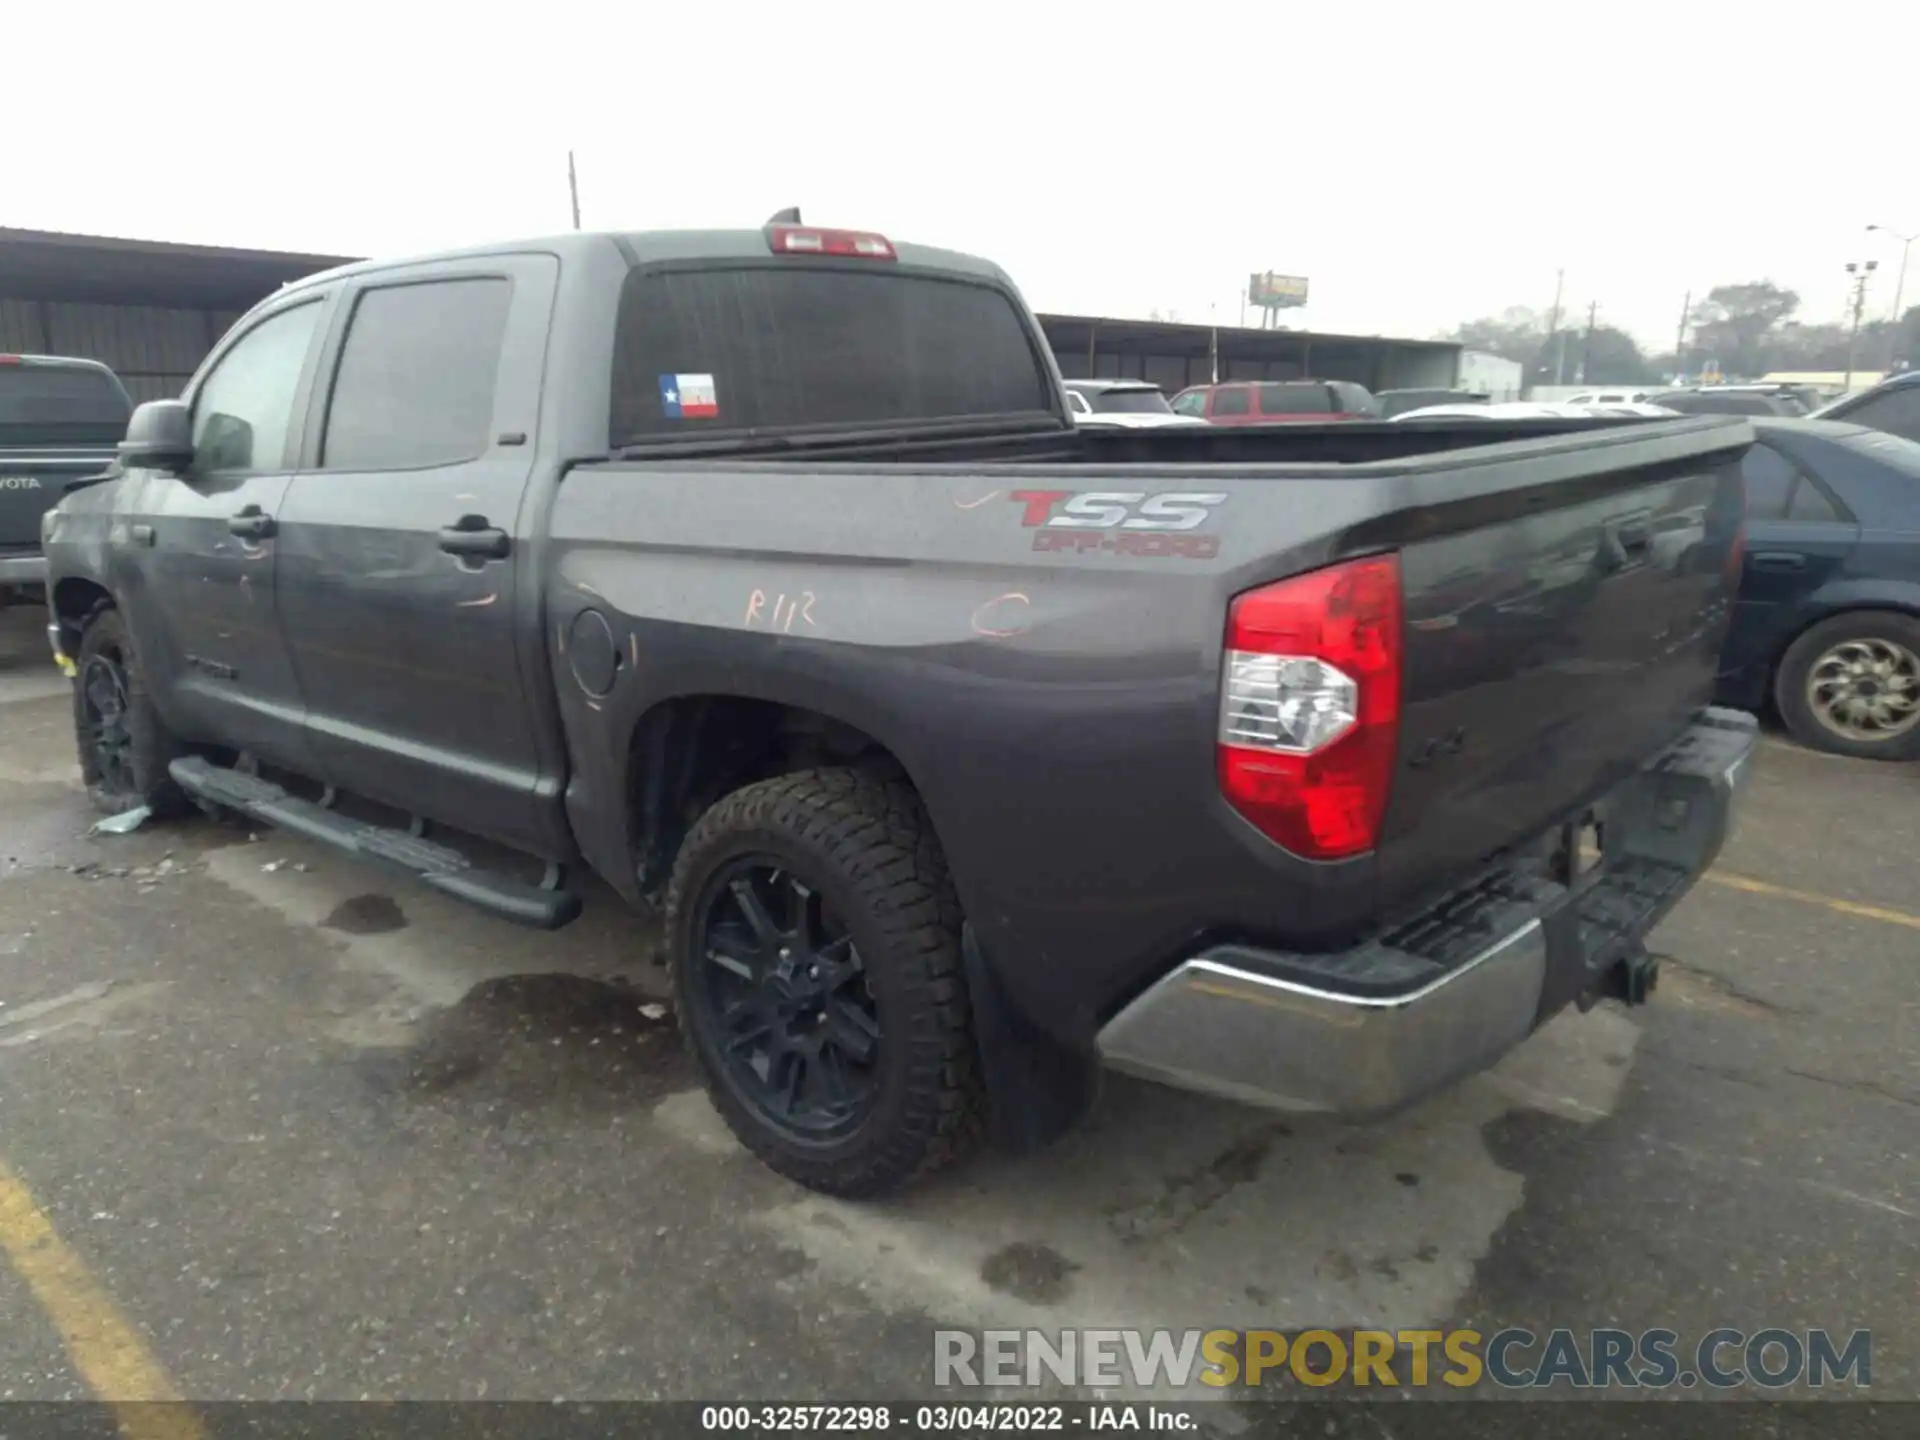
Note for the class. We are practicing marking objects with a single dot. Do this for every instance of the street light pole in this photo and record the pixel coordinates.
(1859, 272)
(1899, 284)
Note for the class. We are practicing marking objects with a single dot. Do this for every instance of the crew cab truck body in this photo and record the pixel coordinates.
(60, 419)
(764, 574)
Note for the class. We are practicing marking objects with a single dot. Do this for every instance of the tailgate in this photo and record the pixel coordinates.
(1563, 628)
(32, 482)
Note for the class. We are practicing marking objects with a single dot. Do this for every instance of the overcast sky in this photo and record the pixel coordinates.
(1421, 164)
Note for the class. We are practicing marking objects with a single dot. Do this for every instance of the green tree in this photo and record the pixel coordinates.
(1514, 334)
(1735, 324)
(1605, 356)
(1609, 357)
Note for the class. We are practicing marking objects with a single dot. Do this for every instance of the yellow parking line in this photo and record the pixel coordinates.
(1809, 897)
(106, 1350)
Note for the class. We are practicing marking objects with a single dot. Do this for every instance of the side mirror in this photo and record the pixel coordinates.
(159, 437)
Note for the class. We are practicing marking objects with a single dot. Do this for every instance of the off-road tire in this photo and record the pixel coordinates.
(1790, 682)
(152, 747)
(866, 844)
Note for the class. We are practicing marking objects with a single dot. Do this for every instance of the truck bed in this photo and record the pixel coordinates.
(1054, 689)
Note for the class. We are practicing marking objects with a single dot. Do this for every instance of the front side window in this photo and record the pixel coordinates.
(244, 408)
(1190, 402)
(415, 383)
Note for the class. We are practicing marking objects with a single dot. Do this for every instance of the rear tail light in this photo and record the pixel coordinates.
(811, 240)
(1310, 707)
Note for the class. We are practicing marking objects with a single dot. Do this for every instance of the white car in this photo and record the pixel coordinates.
(1125, 404)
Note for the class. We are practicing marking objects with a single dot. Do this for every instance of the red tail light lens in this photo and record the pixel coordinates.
(811, 240)
(1310, 707)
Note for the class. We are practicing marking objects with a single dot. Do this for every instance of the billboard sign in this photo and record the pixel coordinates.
(1277, 292)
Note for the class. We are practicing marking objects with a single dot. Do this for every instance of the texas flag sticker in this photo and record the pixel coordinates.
(689, 397)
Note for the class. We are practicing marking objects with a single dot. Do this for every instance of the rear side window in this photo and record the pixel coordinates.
(1296, 400)
(797, 345)
(1810, 503)
(1769, 476)
(415, 383)
(1232, 400)
(48, 404)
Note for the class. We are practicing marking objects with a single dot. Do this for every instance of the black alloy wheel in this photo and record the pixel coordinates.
(813, 938)
(785, 1001)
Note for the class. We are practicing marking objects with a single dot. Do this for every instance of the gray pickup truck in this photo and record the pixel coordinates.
(60, 420)
(765, 575)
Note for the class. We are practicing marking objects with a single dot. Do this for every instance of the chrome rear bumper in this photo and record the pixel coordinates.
(1259, 1026)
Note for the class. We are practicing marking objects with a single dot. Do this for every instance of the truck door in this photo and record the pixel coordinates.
(404, 584)
(196, 563)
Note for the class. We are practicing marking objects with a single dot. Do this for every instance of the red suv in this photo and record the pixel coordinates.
(1270, 403)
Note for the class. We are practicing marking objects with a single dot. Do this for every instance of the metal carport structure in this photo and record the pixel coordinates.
(1174, 356)
(149, 309)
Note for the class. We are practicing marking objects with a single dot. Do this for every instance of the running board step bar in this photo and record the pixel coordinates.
(439, 866)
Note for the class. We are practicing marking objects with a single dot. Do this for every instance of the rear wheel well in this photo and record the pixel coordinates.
(688, 752)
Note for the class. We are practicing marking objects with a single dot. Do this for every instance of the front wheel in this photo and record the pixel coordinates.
(1851, 686)
(124, 747)
(814, 939)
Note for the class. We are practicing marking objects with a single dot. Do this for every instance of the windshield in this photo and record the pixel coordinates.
(1128, 402)
(60, 405)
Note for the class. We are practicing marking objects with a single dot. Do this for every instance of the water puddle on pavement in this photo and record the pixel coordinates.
(534, 1040)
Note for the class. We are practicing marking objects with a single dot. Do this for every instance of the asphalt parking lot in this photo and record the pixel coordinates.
(303, 1131)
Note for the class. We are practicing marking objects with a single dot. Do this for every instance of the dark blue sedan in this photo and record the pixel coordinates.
(1827, 628)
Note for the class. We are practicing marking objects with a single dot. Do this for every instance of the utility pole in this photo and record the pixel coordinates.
(573, 189)
(1680, 340)
(1899, 289)
(1586, 345)
(1860, 272)
(1553, 326)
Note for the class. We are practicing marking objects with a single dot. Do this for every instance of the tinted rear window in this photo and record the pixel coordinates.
(52, 404)
(1296, 400)
(1128, 402)
(794, 346)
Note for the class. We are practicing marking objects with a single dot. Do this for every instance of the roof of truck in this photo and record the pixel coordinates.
(648, 246)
